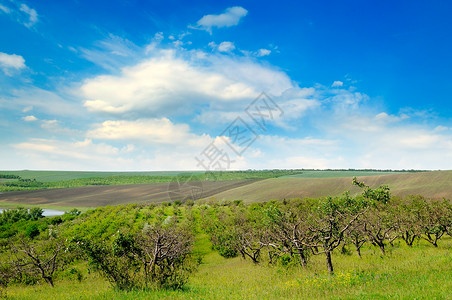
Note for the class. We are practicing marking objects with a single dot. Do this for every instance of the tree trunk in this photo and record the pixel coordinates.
(329, 263)
(303, 260)
(358, 250)
(343, 249)
(49, 280)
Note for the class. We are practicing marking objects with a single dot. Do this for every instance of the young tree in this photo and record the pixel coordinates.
(41, 258)
(431, 224)
(379, 226)
(378, 223)
(356, 236)
(164, 253)
(115, 260)
(7, 273)
(329, 222)
(287, 231)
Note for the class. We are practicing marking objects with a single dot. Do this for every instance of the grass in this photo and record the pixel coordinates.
(421, 272)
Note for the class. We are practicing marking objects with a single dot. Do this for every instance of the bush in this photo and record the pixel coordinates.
(32, 230)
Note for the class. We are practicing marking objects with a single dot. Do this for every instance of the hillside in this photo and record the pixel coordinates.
(435, 185)
(95, 196)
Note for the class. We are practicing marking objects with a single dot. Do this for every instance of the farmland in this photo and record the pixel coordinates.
(247, 186)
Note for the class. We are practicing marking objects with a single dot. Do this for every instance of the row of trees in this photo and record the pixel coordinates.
(295, 230)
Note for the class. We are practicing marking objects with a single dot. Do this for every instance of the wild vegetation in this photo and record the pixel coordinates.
(155, 250)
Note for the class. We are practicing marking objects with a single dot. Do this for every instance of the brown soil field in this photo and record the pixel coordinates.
(94, 196)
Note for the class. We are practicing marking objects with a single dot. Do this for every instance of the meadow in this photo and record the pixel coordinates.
(420, 272)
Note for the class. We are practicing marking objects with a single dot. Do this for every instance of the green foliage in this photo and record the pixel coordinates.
(380, 194)
(74, 212)
(32, 230)
(116, 264)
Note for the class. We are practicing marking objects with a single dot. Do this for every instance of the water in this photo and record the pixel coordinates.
(47, 212)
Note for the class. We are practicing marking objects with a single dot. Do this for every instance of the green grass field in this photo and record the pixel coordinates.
(421, 272)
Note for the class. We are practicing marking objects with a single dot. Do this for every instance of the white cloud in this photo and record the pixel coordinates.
(390, 118)
(226, 47)
(30, 118)
(337, 84)
(20, 13)
(51, 154)
(10, 62)
(156, 40)
(171, 83)
(31, 14)
(263, 52)
(230, 17)
(54, 126)
(149, 131)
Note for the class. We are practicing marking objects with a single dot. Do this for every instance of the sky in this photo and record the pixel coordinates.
(209, 85)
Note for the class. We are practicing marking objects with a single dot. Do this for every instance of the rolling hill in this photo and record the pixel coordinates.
(435, 185)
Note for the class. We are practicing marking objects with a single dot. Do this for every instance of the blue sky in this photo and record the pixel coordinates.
(153, 85)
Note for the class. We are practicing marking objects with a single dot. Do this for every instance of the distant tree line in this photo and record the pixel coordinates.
(9, 176)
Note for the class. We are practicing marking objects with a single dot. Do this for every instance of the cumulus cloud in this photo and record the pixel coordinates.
(337, 84)
(169, 83)
(10, 62)
(149, 131)
(72, 155)
(30, 118)
(263, 52)
(226, 47)
(230, 17)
